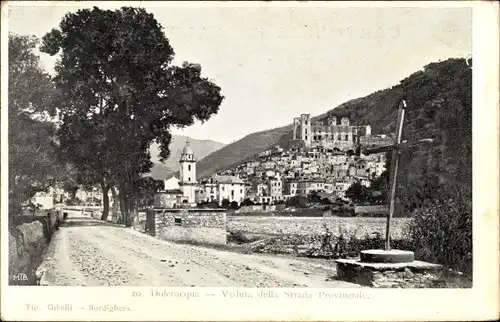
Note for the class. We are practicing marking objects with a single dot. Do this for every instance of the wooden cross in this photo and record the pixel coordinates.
(396, 151)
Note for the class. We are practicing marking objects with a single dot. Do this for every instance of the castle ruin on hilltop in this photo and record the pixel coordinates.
(335, 131)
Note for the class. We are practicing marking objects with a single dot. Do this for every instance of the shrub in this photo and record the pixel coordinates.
(225, 203)
(234, 205)
(442, 232)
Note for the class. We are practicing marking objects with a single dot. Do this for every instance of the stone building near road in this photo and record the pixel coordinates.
(192, 225)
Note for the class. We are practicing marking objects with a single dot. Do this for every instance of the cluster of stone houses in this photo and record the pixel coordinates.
(278, 174)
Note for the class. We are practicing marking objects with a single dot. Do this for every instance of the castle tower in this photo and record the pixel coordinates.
(332, 120)
(305, 129)
(296, 127)
(187, 181)
(345, 121)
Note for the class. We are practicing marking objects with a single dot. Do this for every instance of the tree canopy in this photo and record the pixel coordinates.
(34, 165)
(119, 93)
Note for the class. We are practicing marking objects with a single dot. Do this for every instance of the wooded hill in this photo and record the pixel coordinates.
(439, 106)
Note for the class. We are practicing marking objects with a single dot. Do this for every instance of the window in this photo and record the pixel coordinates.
(241, 190)
(178, 222)
(189, 179)
(189, 167)
(347, 137)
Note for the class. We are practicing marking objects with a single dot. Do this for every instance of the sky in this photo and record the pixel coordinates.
(274, 63)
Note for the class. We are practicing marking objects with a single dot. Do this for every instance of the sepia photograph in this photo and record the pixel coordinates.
(251, 147)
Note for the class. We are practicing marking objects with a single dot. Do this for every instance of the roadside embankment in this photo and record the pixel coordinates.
(28, 239)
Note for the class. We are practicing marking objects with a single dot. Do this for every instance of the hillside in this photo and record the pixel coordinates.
(201, 148)
(439, 99)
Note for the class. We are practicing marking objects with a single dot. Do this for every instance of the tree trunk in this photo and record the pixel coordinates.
(73, 194)
(105, 201)
(114, 210)
(123, 203)
(131, 212)
(123, 208)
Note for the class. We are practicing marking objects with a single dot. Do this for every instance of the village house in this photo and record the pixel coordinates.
(275, 188)
(340, 187)
(229, 187)
(290, 187)
(306, 185)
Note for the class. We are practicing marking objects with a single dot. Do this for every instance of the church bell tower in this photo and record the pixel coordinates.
(187, 181)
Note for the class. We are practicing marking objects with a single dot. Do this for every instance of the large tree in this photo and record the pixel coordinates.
(115, 76)
(33, 163)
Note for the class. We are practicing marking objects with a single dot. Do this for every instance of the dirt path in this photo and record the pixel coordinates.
(89, 252)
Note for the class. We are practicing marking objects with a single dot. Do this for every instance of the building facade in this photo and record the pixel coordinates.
(333, 132)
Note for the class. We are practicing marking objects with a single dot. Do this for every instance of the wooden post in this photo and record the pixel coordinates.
(394, 173)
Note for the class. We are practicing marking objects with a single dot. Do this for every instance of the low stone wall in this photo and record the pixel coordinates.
(28, 238)
(400, 275)
(188, 225)
(261, 208)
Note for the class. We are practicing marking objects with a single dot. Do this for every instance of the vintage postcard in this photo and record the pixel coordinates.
(249, 161)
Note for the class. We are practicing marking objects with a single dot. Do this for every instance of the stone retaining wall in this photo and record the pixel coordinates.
(28, 238)
(188, 225)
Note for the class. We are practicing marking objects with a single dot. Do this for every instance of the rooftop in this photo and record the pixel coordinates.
(227, 179)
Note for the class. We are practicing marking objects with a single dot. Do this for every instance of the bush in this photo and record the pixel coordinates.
(247, 202)
(240, 237)
(442, 233)
(234, 205)
(225, 203)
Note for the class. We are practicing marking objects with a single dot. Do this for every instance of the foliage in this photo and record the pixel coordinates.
(33, 162)
(234, 205)
(119, 93)
(358, 193)
(441, 231)
(247, 202)
(73, 202)
(314, 197)
(225, 203)
(146, 189)
(93, 200)
(326, 201)
(297, 201)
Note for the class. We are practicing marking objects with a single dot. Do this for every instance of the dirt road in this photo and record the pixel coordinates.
(89, 252)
